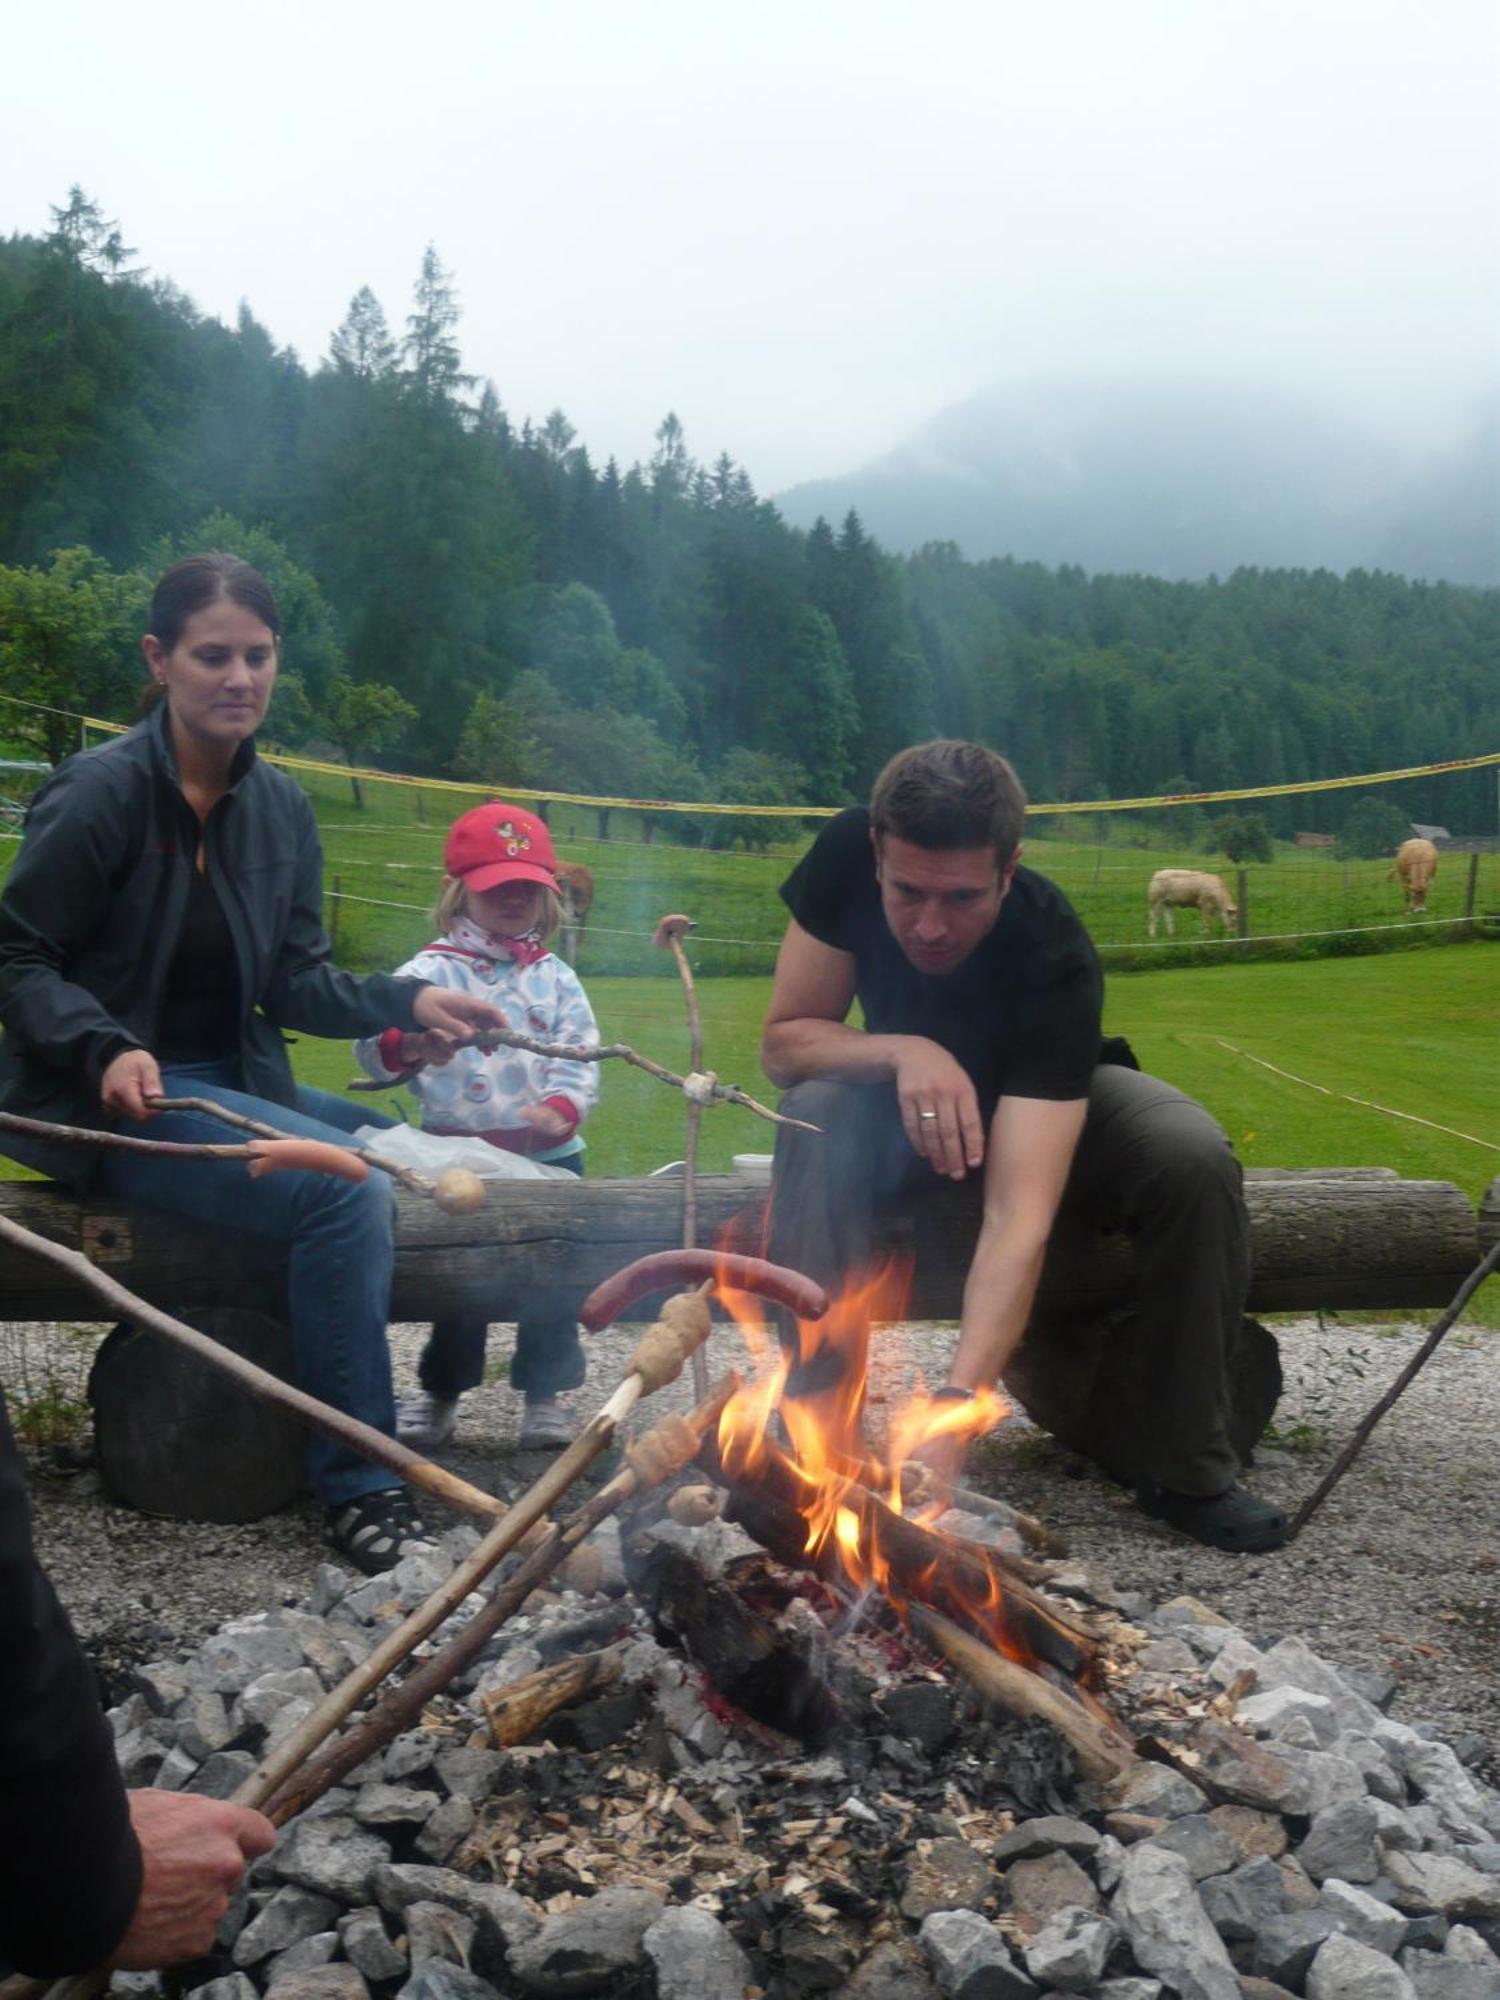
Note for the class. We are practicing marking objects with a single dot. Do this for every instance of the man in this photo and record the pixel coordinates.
(88, 1871)
(981, 1052)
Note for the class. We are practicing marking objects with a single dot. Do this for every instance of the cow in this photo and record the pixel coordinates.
(1189, 888)
(575, 887)
(1416, 865)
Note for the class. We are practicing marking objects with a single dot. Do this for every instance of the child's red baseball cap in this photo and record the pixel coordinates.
(500, 843)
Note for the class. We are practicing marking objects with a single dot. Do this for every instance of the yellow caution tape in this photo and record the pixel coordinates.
(826, 812)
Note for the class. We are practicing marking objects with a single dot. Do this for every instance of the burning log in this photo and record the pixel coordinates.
(979, 1589)
(517, 1712)
(753, 1661)
(1103, 1751)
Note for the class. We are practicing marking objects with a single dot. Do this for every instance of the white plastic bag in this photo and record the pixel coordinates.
(405, 1146)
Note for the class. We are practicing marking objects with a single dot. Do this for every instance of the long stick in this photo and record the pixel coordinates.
(1484, 1269)
(676, 1440)
(318, 1416)
(674, 1330)
(651, 1459)
(714, 1091)
(407, 1176)
(670, 932)
(204, 1149)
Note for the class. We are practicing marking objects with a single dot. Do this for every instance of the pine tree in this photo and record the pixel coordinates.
(429, 349)
(363, 346)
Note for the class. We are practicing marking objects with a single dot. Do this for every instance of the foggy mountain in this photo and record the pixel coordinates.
(1173, 479)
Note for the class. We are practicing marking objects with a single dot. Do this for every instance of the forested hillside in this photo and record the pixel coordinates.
(472, 595)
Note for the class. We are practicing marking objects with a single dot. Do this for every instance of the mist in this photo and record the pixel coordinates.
(811, 230)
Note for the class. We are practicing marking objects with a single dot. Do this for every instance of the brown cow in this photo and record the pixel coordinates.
(575, 885)
(1416, 864)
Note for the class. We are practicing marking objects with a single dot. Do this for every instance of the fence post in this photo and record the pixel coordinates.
(1242, 897)
(335, 896)
(1471, 887)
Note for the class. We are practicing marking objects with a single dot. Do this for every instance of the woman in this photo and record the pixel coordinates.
(160, 930)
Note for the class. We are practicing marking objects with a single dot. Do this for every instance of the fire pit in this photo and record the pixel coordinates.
(752, 1741)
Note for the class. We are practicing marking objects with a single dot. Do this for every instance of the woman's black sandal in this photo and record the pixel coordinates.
(372, 1530)
(1234, 1521)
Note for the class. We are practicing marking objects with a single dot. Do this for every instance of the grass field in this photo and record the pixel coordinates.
(385, 862)
(1416, 1032)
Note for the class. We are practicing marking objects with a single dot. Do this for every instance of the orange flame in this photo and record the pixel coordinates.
(826, 1459)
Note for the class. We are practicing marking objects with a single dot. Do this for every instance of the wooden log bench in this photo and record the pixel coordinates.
(1335, 1239)
(1341, 1240)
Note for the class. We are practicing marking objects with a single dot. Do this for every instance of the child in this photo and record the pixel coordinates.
(498, 908)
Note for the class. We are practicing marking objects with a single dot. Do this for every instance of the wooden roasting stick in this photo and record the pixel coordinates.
(706, 1085)
(346, 1430)
(268, 1151)
(1102, 1751)
(669, 935)
(659, 1359)
(649, 1461)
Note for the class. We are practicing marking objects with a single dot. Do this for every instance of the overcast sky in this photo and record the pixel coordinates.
(805, 227)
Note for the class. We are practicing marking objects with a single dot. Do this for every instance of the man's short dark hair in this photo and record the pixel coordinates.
(950, 794)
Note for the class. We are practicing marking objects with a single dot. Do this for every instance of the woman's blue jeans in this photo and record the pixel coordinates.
(338, 1236)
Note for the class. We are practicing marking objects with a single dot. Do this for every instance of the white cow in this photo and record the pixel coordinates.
(1416, 864)
(1189, 889)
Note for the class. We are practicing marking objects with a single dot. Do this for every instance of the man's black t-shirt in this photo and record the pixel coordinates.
(1021, 1014)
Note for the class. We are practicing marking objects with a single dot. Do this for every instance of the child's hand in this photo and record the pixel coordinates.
(548, 1123)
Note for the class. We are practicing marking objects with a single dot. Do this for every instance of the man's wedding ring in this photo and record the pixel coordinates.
(927, 1114)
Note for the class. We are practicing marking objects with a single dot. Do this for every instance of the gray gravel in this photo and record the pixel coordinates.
(1400, 1572)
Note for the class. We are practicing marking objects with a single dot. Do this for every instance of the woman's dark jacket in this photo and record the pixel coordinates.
(90, 915)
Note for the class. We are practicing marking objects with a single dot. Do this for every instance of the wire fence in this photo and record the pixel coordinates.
(383, 839)
(384, 869)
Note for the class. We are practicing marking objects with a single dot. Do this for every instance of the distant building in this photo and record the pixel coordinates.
(1456, 843)
(1316, 839)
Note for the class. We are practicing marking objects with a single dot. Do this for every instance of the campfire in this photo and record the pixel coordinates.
(771, 1712)
(806, 1481)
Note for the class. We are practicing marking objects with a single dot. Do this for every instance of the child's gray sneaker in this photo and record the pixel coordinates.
(425, 1421)
(546, 1425)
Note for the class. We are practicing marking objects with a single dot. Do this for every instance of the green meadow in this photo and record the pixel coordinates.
(384, 862)
(1373, 1058)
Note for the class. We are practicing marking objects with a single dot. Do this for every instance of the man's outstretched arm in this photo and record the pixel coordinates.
(1032, 1142)
(806, 1035)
